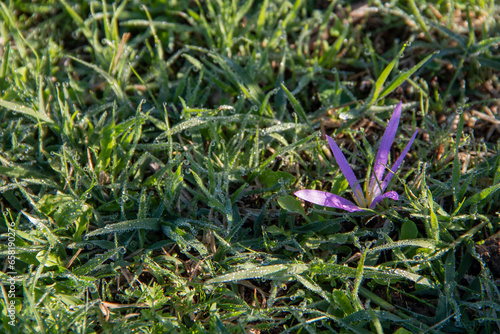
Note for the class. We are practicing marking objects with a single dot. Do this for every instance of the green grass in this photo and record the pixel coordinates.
(149, 154)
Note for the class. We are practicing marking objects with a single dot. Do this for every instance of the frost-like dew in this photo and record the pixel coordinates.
(344, 116)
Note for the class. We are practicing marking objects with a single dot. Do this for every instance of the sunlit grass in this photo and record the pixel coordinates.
(150, 152)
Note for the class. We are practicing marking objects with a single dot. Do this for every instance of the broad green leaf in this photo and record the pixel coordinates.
(270, 178)
(409, 230)
(292, 204)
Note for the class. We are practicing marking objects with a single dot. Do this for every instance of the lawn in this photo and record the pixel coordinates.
(151, 153)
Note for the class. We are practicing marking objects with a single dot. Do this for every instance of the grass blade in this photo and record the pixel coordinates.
(403, 76)
(296, 105)
(383, 77)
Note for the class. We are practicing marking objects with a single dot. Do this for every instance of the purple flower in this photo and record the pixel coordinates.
(374, 191)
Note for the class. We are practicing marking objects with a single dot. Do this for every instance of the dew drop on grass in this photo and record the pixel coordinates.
(344, 116)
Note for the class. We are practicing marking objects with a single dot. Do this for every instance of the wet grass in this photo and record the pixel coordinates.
(149, 153)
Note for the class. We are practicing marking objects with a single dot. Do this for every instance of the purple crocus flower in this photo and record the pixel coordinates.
(374, 192)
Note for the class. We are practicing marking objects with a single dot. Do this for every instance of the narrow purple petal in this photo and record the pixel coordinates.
(390, 194)
(345, 168)
(327, 199)
(385, 147)
(398, 162)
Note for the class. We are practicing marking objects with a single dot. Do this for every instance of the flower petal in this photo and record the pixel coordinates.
(345, 168)
(390, 194)
(385, 148)
(398, 162)
(327, 199)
